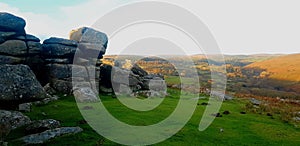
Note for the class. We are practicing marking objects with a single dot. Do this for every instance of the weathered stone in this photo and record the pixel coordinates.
(77, 34)
(156, 84)
(2, 143)
(151, 93)
(10, 60)
(41, 138)
(255, 101)
(17, 82)
(13, 47)
(9, 22)
(61, 86)
(226, 112)
(4, 131)
(80, 84)
(297, 119)
(85, 94)
(79, 71)
(64, 71)
(217, 115)
(77, 79)
(81, 61)
(89, 35)
(105, 89)
(126, 77)
(25, 107)
(6, 35)
(13, 118)
(61, 41)
(41, 126)
(28, 37)
(59, 71)
(58, 50)
(34, 47)
(228, 97)
(58, 61)
(124, 90)
(90, 50)
(50, 99)
(32, 38)
(49, 89)
(139, 71)
(46, 100)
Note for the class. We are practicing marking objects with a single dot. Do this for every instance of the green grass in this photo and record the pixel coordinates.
(239, 129)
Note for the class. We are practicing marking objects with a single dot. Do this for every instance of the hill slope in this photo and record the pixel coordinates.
(281, 68)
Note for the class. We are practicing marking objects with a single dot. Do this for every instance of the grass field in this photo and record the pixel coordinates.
(239, 129)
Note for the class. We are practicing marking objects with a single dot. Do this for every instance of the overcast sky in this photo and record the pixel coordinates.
(239, 27)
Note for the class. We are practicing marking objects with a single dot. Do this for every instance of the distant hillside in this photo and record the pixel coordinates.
(280, 68)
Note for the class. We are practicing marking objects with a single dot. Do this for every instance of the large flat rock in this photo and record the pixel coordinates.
(18, 83)
(41, 138)
(9, 22)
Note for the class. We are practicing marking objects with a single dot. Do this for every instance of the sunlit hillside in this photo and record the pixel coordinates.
(281, 68)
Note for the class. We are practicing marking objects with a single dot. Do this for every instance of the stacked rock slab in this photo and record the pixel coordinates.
(58, 55)
(17, 47)
(91, 48)
(18, 82)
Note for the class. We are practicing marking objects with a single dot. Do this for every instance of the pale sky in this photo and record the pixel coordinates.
(239, 27)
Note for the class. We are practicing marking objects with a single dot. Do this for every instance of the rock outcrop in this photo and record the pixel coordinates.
(65, 65)
(133, 82)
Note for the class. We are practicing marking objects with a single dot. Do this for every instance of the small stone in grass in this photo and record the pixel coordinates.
(204, 103)
(226, 112)
(217, 115)
(243, 113)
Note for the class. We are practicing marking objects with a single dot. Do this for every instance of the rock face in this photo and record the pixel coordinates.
(13, 119)
(41, 138)
(18, 82)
